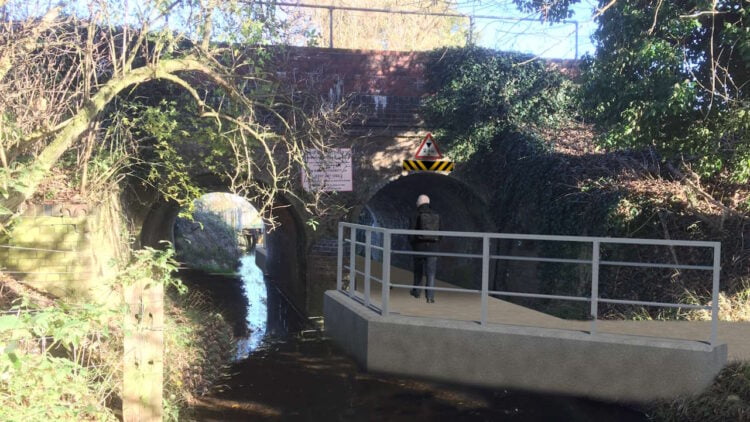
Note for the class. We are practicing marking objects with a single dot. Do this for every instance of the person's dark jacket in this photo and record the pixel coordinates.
(417, 242)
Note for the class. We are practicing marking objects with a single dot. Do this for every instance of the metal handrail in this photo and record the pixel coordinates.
(486, 258)
(472, 18)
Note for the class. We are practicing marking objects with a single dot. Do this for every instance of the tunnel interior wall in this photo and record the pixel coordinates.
(285, 260)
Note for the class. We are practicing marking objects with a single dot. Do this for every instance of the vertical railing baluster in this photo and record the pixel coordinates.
(352, 263)
(330, 27)
(594, 285)
(485, 277)
(386, 273)
(368, 238)
(715, 294)
(340, 259)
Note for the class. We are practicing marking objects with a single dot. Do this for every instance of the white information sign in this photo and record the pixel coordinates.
(329, 172)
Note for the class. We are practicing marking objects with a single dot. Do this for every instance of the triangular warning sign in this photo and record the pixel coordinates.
(428, 149)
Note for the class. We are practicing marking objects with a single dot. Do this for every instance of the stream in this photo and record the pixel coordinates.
(286, 370)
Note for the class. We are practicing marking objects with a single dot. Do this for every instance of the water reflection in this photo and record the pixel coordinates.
(256, 291)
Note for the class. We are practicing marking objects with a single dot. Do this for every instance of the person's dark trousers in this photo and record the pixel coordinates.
(425, 266)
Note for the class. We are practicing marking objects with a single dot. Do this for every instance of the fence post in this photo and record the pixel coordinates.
(340, 259)
(594, 285)
(715, 294)
(386, 273)
(352, 262)
(143, 348)
(330, 27)
(485, 276)
(470, 35)
(368, 239)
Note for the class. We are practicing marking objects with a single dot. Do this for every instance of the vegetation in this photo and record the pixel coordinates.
(151, 98)
(671, 76)
(665, 94)
(209, 53)
(197, 351)
(64, 361)
(725, 400)
(207, 242)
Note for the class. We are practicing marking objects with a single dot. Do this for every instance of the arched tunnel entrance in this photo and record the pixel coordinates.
(280, 250)
(394, 206)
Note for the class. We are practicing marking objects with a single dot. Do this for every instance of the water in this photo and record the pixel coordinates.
(256, 291)
(281, 375)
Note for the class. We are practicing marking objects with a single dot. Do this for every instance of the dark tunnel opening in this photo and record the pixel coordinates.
(460, 209)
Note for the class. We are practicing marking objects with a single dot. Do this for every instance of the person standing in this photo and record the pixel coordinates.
(424, 265)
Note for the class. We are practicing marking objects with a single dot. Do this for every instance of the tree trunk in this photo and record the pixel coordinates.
(35, 173)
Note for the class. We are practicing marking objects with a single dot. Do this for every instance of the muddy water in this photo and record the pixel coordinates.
(287, 371)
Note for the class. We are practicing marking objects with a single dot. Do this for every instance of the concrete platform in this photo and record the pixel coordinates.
(631, 361)
(466, 307)
(605, 366)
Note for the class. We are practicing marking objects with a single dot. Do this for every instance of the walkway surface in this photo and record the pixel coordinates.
(466, 307)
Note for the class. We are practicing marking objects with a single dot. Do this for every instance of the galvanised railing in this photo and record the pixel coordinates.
(596, 262)
(471, 18)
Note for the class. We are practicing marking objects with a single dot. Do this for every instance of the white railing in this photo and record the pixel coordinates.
(596, 262)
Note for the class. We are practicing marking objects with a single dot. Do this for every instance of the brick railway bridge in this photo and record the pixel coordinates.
(307, 264)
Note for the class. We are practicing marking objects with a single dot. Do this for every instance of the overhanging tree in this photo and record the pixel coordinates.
(62, 68)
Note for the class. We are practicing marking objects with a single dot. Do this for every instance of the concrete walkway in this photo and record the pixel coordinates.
(466, 307)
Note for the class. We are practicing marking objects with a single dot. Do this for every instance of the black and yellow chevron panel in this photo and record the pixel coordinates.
(423, 165)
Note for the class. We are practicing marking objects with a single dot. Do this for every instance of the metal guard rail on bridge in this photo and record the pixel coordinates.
(595, 263)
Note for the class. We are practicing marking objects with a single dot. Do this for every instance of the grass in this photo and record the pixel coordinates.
(728, 398)
(63, 361)
(198, 347)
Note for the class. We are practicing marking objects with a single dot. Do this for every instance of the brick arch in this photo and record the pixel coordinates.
(461, 209)
(284, 258)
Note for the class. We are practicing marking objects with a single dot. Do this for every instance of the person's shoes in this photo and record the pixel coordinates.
(430, 300)
(415, 293)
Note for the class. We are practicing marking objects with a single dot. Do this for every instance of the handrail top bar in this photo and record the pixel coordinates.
(407, 12)
(556, 238)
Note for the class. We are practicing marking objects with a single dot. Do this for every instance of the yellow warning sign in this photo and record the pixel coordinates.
(424, 165)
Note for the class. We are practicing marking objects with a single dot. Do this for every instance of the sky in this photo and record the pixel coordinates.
(545, 40)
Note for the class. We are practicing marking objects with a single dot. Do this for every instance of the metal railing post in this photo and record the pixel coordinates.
(470, 35)
(352, 262)
(485, 277)
(386, 273)
(715, 294)
(368, 239)
(340, 259)
(594, 285)
(330, 27)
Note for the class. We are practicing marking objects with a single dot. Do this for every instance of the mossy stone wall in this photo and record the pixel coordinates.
(66, 256)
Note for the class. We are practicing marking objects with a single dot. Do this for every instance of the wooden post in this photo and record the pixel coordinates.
(144, 351)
